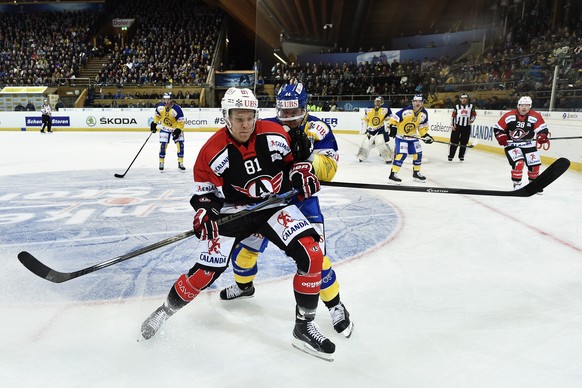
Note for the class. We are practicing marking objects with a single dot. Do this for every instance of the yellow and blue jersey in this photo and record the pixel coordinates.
(410, 123)
(375, 118)
(169, 118)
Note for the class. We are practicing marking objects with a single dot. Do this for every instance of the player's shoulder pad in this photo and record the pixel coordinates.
(317, 129)
(178, 109)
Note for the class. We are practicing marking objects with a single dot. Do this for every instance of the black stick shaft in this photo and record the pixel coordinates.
(138, 152)
(38, 268)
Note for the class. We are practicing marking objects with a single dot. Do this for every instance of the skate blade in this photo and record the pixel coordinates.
(304, 347)
(348, 330)
(390, 181)
(419, 180)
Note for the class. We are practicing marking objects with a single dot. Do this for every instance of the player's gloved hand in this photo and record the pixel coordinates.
(502, 139)
(301, 144)
(207, 212)
(153, 127)
(176, 134)
(393, 130)
(542, 139)
(304, 180)
(427, 138)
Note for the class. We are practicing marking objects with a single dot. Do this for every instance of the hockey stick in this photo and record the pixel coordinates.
(122, 175)
(565, 137)
(550, 174)
(475, 142)
(45, 272)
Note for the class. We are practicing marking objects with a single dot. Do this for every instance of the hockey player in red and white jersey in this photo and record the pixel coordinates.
(312, 140)
(519, 131)
(242, 164)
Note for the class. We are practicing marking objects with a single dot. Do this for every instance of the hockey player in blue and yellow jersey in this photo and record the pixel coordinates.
(169, 119)
(312, 141)
(374, 126)
(407, 126)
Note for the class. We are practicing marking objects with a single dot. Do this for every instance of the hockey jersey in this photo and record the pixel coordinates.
(410, 123)
(325, 155)
(245, 173)
(375, 118)
(521, 128)
(170, 118)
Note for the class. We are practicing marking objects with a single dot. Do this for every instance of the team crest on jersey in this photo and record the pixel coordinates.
(409, 128)
(261, 186)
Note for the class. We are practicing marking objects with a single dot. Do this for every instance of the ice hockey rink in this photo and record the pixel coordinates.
(445, 290)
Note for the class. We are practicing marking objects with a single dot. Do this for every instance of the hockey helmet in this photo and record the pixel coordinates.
(379, 100)
(291, 96)
(236, 98)
(464, 95)
(525, 100)
(418, 97)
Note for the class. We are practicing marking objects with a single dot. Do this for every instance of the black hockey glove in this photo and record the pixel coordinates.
(301, 145)
(427, 138)
(176, 134)
(304, 180)
(207, 212)
(153, 127)
(393, 130)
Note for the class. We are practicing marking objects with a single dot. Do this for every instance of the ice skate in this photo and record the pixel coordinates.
(151, 325)
(309, 340)
(418, 177)
(235, 292)
(393, 178)
(516, 185)
(181, 166)
(161, 166)
(341, 320)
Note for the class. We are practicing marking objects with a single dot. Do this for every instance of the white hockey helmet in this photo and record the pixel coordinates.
(167, 96)
(236, 98)
(525, 100)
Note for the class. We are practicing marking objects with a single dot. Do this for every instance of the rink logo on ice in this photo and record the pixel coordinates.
(76, 219)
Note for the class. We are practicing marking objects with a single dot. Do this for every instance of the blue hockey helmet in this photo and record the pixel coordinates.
(291, 96)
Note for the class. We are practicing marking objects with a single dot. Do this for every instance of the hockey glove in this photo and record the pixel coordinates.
(502, 139)
(427, 138)
(176, 134)
(393, 130)
(153, 127)
(301, 145)
(304, 180)
(207, 212)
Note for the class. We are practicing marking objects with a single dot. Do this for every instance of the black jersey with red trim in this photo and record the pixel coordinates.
(245, 173)
(521, 128)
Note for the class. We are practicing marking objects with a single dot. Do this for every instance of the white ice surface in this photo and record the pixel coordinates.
(472, 291)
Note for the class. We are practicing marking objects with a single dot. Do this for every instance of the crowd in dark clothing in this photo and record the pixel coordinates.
(173, 44)
(40, 50)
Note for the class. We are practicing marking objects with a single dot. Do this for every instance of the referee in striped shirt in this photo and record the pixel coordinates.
(463, 116)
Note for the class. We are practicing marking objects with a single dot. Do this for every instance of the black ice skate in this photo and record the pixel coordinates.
(418, 177)
(151, 325)
(309, 340)
(341, 320)
(181, 166)
(161, 166)
(393, 178)
(235, 292)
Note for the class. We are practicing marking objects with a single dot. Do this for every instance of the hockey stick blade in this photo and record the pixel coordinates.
(38, 268)
(550, 174)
